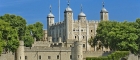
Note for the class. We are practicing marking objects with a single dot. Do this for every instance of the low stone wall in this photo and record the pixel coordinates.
(95, 54)
(133, 57)
(7, 56)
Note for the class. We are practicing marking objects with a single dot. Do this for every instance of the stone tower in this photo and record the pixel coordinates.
(104, 14)
(50, 21)
(20, 51)
(68, 19)
(77, 51)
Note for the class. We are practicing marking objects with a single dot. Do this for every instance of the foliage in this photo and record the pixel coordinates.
(1, 46)
(37, 31)
(17, 23)
(90, 41)
(8, 37)
(28, 38)
(96, 58)
(114, 56)
(119, 36)
(13, 28)
(33, 31)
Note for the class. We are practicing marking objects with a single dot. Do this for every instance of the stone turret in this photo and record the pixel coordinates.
(50, 39)
(68, 19)
(50, 21)
(20, 51)
(60, 40)
(82, 15)
(104, 14)
(77, 51)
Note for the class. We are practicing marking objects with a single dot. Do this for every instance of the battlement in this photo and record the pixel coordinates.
(93, 21)
(88, 21)
(51, 49)
(58, 23)
(41, 43)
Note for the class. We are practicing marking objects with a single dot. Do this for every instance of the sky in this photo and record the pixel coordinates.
(37, 10)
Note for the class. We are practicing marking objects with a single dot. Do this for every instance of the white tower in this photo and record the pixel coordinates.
(68, 19)
(50, 21)
(104, 14)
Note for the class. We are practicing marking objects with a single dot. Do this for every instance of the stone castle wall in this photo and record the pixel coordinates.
(7, 56)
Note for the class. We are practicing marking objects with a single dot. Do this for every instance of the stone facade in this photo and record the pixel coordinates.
(73, 30)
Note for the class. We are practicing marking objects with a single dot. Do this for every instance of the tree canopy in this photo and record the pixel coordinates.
(122, 36)
(17, 23)
(14, 28)
(33, 31)
(8, 37)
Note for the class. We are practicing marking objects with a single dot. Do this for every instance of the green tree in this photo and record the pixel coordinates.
(17, 23)
(118, 35)
(8, 37)
(37, 31)
(137, 25)
(33, 31)
(28, 38)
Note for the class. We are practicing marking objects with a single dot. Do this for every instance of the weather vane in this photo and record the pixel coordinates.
(81, 8)
(50, 8)
(68, 2)
(103, 3)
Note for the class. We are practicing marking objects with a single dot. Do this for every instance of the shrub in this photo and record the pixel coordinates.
(114, 56)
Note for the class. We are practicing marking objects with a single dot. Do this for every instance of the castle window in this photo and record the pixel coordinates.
(74, 30)
(91, 37)
(91, 30)
(70, 46)
(70, 56)
(25, 57)
(57, 56)
(83, 37)
(49, 57)
(78, 56)
(40, 57)
(83, 45)
(75, 37)
(81, 30)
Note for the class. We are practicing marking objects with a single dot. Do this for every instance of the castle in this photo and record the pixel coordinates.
(71, 30)
(66, 40)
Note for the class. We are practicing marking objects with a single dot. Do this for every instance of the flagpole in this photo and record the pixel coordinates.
(59, 10)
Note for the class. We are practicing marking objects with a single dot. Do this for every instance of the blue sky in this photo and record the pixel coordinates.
(37, 10)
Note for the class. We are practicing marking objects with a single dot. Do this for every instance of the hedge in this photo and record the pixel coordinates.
(114, 56)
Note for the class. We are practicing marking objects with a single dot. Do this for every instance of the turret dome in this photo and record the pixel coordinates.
(50, 15)
(68, 9)
(82, 14)
(104, 10)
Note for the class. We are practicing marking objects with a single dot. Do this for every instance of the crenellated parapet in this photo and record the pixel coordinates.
(57, 24)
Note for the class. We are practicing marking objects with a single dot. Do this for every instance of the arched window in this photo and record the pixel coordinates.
(83, 37)
(91, 30)
(91, 37)
(75, 37)
(57, 56)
